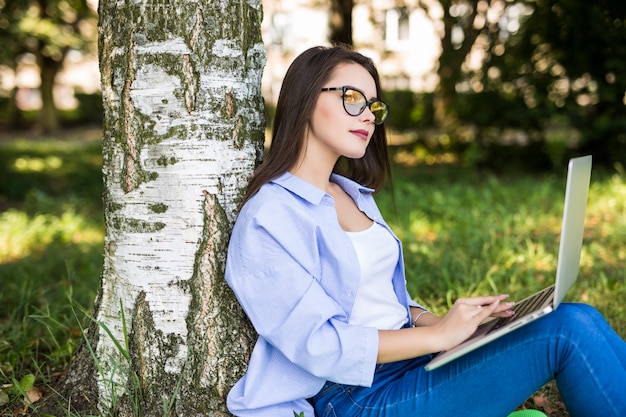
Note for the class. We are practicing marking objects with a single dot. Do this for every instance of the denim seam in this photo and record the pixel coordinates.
(593, 374)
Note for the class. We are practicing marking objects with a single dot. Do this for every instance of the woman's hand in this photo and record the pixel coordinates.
(466, 315)
(435, 334)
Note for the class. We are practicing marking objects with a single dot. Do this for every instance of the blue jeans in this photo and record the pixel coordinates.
(573, 344)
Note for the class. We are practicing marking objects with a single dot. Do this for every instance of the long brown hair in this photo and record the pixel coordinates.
(298, 95)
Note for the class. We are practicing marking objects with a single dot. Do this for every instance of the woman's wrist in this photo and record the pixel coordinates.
(418, 316)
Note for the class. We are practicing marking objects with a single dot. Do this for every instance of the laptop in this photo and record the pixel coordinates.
(548, 299)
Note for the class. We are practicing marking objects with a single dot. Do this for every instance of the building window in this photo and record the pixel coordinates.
(278, 29)
(397, 33)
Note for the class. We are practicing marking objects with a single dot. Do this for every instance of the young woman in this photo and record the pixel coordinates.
(320, 275)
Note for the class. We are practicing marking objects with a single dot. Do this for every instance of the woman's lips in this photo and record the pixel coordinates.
(363, 134)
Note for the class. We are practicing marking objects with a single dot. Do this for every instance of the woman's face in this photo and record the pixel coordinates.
(333, 132)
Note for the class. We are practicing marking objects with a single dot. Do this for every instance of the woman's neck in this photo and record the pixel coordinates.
(314, 172)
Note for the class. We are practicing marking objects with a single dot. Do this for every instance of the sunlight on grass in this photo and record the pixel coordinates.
(467, 233)
(51, 241)
(22, 234)
(49, 163)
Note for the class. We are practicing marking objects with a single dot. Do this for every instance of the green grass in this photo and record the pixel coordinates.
(465, 232)
(468, 233)
(51, 237)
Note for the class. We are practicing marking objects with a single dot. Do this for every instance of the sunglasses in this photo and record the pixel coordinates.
(355, 103)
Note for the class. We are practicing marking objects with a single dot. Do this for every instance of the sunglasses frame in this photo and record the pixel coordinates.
(368, 104)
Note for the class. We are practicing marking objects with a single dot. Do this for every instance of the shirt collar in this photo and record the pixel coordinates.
(354, 189)
(313, 194)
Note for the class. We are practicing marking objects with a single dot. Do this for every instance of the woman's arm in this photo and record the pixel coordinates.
(434, 334)
(421, 317)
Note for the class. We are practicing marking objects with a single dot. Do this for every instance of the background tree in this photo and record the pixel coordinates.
(548, 79)
(341, 21)
(552, 71)
(47, 30)
(11, 49)
(462, 23)
(576, 54)
(183, 130)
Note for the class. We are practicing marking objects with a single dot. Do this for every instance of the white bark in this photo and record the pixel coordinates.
(183, 132)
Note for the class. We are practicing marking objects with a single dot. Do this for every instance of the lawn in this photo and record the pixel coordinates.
(51, 239)
(465, 232)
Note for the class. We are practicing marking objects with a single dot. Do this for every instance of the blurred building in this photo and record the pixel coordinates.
(402, 40)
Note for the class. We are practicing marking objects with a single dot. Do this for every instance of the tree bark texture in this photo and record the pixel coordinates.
(183, 131)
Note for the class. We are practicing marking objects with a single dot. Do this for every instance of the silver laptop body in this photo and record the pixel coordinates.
(548, 299)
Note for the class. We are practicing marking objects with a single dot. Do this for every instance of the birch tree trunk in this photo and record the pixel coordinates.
(183, 130)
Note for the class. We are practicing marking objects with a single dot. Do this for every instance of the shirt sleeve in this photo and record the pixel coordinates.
(274, 267)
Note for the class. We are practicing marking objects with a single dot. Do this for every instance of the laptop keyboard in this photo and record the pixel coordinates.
(525, 307)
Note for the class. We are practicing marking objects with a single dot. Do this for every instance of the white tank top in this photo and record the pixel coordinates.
(376, 304)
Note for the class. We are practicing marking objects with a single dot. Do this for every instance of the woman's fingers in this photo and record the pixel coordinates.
(483, 300)
(485, 306)
(467, 313)
(486, 310)
(504, 310)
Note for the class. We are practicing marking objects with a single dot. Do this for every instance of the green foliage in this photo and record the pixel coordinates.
(43, 33)
(10, 10)
(409, 110)
(89, 109)
(495, 109)
(13, 393)
(88, 113)
(567, 60)
(467, 232)
(543, 61)
(48, 29)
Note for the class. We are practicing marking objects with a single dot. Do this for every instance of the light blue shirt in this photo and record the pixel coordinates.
(295, 273)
